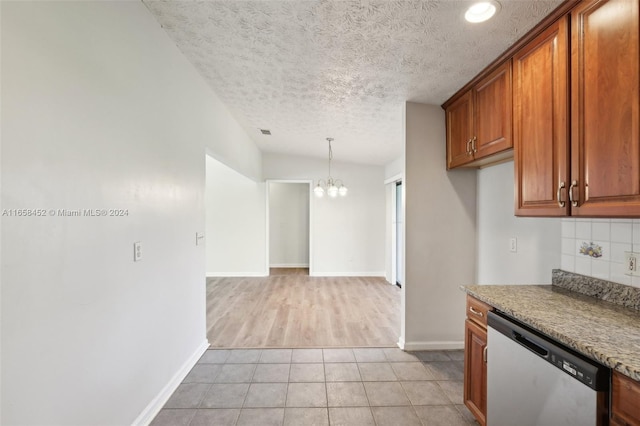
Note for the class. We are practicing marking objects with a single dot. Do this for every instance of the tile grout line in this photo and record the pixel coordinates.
(200, 404)
(246, 395)
(326, 389)
(286, 394)
(366, 394)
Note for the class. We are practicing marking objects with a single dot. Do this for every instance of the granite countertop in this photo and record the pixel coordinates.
(603, 331)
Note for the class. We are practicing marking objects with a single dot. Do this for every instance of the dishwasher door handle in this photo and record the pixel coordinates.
(531, 345)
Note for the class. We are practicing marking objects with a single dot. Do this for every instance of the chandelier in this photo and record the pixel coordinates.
(331, 186)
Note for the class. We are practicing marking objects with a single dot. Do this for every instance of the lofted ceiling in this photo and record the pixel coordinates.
(308, 70)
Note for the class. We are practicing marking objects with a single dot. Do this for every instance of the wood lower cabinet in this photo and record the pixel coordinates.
(478, 122)
(475, 361)
(540, 127)
(475, 370)
(625, 400)
(605, 108)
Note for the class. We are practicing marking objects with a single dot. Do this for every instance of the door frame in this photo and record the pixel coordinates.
(310, 198)
(394, 237)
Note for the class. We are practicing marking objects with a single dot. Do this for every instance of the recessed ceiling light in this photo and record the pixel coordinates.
(482, 11)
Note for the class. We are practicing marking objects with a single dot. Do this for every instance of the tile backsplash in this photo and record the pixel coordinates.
(595, 247)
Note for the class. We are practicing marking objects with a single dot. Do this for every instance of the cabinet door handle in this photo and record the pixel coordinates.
(484, 354)
(475, 311)
(473, 145)
(573, 185)
(469, 147)
(560, 202)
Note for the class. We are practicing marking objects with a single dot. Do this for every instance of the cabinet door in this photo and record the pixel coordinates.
(625, 398)
(605, 150)
(475, 371)
(493, 101)
(459, 116)
(540, 128)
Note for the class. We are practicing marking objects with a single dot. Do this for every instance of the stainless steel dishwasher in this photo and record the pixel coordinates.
(532, 380)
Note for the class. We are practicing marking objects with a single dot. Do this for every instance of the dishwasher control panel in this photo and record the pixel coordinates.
(586, 377)
(560, 356)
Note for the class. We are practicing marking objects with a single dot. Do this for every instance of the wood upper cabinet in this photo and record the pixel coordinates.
(576, 113)
(479, 121)
(459, 131)
(605, 108)
(596, 172)
(493, 112)
(540, 123)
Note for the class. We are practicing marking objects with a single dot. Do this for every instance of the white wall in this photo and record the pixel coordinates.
(288, 224)
(235, 222)
(544, 243)
(538, 239)
(100, 110)
(440, 235)
(394, 168)
(348, 233)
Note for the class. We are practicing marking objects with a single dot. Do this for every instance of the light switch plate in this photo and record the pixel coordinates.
(137, 251)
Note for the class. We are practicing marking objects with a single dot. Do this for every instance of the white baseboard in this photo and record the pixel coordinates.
(236, 274)
(158, 402)
(314, 274)
(289, 265)
(401, 343)
(430, 346)
(348, 274)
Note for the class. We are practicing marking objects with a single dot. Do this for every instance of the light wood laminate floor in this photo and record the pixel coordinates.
(298, 311)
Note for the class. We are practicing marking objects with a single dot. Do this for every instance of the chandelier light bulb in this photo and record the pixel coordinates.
(342, 190)
(332, 191)
(318, 191)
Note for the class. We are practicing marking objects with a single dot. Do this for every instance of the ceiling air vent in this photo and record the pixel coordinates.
(265, 131)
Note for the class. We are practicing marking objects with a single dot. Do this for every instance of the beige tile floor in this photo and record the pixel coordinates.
(306, 387)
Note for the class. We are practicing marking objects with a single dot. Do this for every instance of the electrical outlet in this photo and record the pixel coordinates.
(631, 263)
(513, 245)
(137, 251)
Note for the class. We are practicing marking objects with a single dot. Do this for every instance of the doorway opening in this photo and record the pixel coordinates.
(395, 230)
(288, 227)
(399, 243)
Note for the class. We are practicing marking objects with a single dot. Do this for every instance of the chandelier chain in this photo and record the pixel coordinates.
(330, 156)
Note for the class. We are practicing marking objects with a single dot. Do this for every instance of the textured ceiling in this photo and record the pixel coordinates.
(307, 70)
